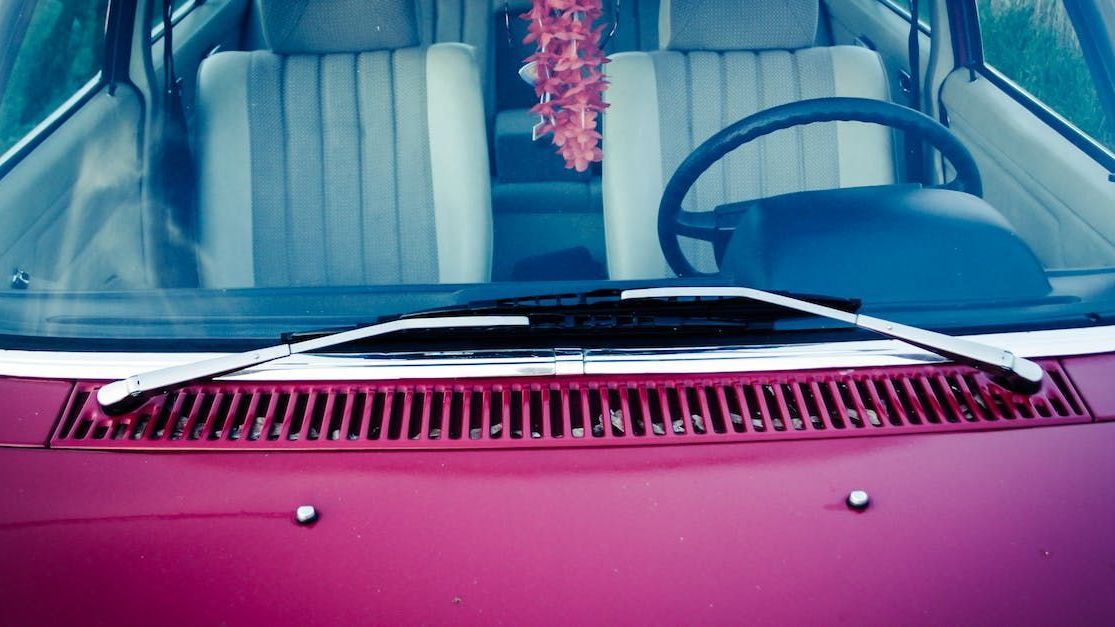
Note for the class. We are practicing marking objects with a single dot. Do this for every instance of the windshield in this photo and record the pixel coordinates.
(232, 170)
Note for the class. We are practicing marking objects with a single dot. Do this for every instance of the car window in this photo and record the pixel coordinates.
(63, 40)
(1032, 42)
(924, 9)
(157, 12)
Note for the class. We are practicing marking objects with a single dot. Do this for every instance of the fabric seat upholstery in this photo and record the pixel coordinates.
(722, 62)
(468, 22)
(344, 155)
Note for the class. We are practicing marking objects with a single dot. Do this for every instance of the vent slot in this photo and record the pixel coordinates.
(457, 416)
(73, 410)
(575, 411)
(559, 411)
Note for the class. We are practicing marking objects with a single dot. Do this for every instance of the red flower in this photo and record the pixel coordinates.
(570, 83)
(545, 108)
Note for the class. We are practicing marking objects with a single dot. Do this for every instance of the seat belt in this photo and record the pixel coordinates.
(915, 158)
(174, 176)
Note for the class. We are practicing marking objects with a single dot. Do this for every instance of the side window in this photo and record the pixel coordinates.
(1033, 43)
(157, 13)
(903, 8)
(60, 51)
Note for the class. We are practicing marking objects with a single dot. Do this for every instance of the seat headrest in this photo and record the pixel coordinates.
(738, 24)
(324, 26)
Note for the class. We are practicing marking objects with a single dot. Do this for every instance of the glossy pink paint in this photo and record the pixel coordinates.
(27, 406)
(1094, 375)
(994, 527)
(1009, 527)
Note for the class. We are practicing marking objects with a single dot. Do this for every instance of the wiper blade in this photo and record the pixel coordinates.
(125, 394)
(610, 300)
(605, 311)
(1012, 372)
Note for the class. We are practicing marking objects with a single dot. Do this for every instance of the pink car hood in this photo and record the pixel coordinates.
(1007, 527)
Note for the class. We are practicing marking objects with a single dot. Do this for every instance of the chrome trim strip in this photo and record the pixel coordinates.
(475, 364)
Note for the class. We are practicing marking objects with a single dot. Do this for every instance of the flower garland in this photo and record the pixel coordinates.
(568, 81)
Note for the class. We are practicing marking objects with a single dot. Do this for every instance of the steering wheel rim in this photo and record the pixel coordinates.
(674, 222)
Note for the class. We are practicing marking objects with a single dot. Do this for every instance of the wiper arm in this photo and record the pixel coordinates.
(126, 394)
(1015, 373)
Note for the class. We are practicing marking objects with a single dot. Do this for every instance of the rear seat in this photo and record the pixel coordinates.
(518, 158)
(539, 206)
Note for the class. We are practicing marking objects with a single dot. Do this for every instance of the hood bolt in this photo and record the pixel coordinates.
(858, 500)
(305, 514)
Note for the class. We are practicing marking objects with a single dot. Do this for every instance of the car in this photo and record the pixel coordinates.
(557, 312)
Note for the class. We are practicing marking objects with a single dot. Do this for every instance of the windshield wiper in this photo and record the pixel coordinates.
(126, 394)
(598, 311)
(1012, 372)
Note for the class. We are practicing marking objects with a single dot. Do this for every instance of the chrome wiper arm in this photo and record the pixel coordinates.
(122, 395)
(1013, 372)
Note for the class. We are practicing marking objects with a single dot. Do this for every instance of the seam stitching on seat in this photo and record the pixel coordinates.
(323, 208)
(360, 165)
(464, 17)
(392, 59)
(288, 216)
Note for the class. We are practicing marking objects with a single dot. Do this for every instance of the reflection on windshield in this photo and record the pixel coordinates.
(326, 168)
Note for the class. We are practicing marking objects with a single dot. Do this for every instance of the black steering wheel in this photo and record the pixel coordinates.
(711, 226)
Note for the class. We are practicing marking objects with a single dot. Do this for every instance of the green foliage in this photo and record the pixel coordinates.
(60, 52)
(1033, 44)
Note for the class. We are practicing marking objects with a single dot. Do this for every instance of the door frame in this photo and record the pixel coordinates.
(1094, 23)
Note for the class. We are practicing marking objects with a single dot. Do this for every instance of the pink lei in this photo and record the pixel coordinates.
(569, 83)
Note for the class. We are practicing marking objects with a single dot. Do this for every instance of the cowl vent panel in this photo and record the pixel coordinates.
(568, 411)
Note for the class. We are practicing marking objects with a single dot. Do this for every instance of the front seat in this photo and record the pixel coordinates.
(720, 62)
(471, 22)
(344, 155)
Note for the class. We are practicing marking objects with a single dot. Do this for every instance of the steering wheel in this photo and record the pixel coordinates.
(716, 226)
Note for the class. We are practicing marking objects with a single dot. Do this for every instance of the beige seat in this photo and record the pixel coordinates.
(721, 61)
(346, 154)
(464, 21)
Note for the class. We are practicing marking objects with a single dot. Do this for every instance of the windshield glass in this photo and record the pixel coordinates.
(291, 166)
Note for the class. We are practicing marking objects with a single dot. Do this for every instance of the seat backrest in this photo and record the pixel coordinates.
(467, 22)
(344, 155)
(720, 62)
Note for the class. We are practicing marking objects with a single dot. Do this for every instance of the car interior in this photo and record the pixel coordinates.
(390, 142)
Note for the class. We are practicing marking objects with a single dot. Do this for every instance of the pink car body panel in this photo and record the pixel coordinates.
(1008, 526)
